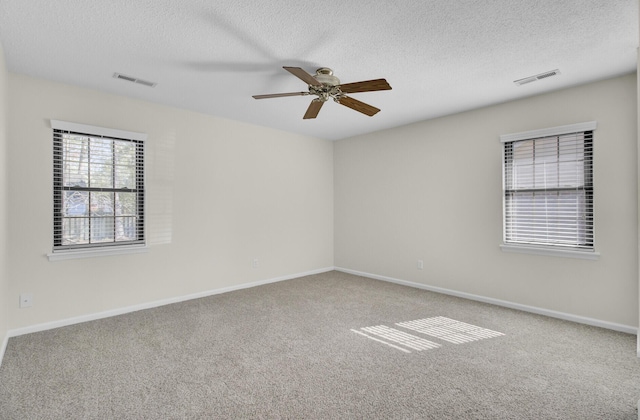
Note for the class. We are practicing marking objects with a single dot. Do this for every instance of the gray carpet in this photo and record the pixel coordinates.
(289, 350)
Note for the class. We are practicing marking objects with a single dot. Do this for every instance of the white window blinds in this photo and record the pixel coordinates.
(98, 189)
(548, 188)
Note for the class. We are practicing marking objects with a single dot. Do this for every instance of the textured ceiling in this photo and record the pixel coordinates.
(440, 56)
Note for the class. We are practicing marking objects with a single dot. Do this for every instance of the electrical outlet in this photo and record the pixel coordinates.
(255, 263)
(420, 264)
(26, 300)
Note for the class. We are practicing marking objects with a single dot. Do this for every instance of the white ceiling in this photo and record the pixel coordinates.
(440, 56)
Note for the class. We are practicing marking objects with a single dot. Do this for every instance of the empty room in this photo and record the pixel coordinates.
(305, 210)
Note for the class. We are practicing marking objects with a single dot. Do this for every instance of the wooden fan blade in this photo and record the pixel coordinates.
(280, 95)
(366, 86)
(358, 106)
(302, 75)
(314, 108)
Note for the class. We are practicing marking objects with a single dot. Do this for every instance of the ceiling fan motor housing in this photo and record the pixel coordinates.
(325, 76)
(329, 88)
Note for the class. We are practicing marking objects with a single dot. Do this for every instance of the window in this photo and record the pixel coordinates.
(98, 187)
(548, 188)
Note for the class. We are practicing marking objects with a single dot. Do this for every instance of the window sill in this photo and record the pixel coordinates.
(97, 252)
(534, 250)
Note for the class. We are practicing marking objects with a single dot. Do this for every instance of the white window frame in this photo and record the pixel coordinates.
(548, 250)
(109, 248)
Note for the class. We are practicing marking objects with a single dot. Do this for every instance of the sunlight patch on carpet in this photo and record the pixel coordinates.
(380, 341)
(400, 337)
(448, 329)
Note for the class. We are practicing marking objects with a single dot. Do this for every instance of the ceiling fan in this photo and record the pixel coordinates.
(325, 85)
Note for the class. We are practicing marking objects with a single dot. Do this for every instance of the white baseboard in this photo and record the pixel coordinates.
(526, 308)
(120, 311)
(3, 347)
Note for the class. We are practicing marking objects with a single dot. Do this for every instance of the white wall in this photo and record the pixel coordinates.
(4, 279)
(219, 193)
(433, 191)
(638, 175)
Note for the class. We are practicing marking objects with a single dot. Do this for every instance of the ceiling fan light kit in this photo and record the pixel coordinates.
(326, 86)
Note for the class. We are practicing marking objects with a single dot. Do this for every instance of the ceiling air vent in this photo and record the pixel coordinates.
(537, 77)
(134, 80)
